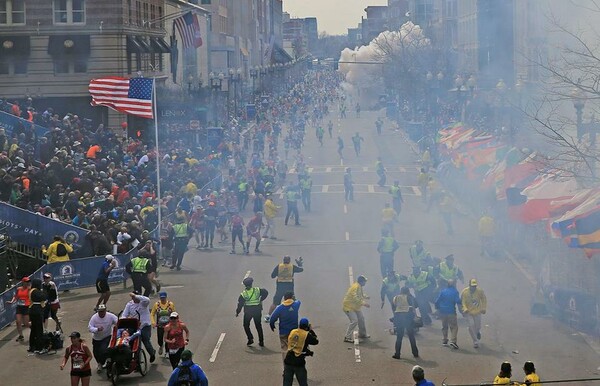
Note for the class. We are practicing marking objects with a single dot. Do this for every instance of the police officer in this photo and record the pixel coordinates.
(182, 237)
(284, 272)
(387, 247)
(242, 194)
(251, 300)
(138, 268)
(449, 271)
(423, 283)
(418, 254)
(390, 287)
(396, 194)
(292, 196)
(380, 169)
(305, 188)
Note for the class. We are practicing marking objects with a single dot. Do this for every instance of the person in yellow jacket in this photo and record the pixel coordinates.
(388, 218)
(58, 251)
(354, 300)
(503, 377)
(270, 211)
(474, 304)
(531, 378)
(487, 228)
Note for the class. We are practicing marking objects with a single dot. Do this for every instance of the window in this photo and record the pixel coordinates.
(61, 66)
(146, 15)
(138, 13)
(12, 12)
(70, 65)
(129, 12)
(69, 11)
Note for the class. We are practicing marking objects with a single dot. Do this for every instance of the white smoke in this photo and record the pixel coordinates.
(365, 80)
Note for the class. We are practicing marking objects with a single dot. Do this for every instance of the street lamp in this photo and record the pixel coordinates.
(471, 82)
(216, 82)
(234, 77)
(253, 75)
(579, 103)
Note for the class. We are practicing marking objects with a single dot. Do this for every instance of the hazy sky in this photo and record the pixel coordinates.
(333, 16)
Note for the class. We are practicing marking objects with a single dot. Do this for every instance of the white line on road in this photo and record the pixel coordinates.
(356, 348)
(402, 170)
(350, 275)
(345, 208)
(328, 170)
(213, 356)
(371, 188)
(347, 236)
(324, 188)
(365, 168)
(310, 170)
(417, 191)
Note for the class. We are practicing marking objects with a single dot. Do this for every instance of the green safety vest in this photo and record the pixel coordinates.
(138, 264)
(401, 303)
(395, 191)
(180, 230)
(291, 196)
(448, 273)
(305, 184)
(417, 257)
(391, 286)
(388, 244)
(243, 186)
(420, 282)
(251, 296)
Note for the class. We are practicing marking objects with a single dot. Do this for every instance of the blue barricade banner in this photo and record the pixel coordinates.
(7, 310)
(35, 230)
(83, 272)
(10, 123)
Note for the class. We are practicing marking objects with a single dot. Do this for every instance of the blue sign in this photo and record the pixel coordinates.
(34, 230)
(250, 112)
(10, 122)
(84, 272)
(7, 310)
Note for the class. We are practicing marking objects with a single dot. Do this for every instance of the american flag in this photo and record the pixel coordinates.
(131, 96)
(189, 29)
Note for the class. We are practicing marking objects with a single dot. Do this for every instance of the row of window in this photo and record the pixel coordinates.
(68, 65)
(12, 12)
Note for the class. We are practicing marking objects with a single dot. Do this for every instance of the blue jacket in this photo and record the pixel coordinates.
(424, 382)
(447, 301)
(197, 374)
(287, 314)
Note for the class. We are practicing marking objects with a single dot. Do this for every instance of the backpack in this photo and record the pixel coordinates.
(61, 250)
(185, 376)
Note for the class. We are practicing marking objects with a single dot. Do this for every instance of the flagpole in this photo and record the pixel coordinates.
(158, 194)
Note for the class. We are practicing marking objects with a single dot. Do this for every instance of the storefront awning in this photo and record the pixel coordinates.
(138, 45)
(69, 45)
(280, 55)
(14, 46)
(160, 46)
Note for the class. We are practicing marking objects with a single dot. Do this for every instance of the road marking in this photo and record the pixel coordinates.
(347, 236)
(365, 168)
(328, 170)
(371, 189)
(356, 348)
(213, 356)
(350, 275)
(402, 170)
(310, 170)
(345, 208)
(417, 191)
(324, 188)
(171, 286)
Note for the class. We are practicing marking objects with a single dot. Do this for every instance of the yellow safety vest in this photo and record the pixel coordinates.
(291, 196)
(395, 191)
(243, 186)
(448, 273)
(180, 230)
(285, 273)
(420, 282)
(251, 296)
(138, 264)
(296, 341)
(305, 184)
(388, 244)
(401, 303)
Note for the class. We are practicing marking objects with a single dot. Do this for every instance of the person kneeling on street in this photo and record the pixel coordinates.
(295, 362)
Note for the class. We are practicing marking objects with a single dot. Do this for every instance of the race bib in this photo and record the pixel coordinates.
(163, 319)
(173, 351)
(20, 302)
(77, 364)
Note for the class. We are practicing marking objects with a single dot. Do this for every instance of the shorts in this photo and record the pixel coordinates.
(22, 310)
(102, 286)
(81, 373)
(50, 311)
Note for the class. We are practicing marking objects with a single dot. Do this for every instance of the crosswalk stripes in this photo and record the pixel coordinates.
(358, 169)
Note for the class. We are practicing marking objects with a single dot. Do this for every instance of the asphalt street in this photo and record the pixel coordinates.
(338, 242)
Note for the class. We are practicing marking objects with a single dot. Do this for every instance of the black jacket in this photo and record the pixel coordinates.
(242, 302)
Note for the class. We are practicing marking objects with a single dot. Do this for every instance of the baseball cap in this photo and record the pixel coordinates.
(174, 315)
(186, 355)
(47, 275)
(75, 334)
(101, 307)
(25, 279)
(162, 294)
(473, 282)
(304, 323)
(109, 257)
(361, 278)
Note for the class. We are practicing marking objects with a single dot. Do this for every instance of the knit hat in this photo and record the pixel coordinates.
(186, 355)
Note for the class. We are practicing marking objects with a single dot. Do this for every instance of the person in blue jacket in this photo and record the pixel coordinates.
(287, 314)
(188, 371)
(446, 304)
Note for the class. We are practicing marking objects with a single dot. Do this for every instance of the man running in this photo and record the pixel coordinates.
(348, 185)
(356, 140)
(340, 143)
(396, 194)
(284, 272)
